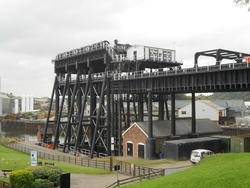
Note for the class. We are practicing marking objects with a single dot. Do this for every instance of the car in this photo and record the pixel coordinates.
(199, 154)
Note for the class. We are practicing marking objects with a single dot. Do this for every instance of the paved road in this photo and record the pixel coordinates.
(94, 181)
(173, 170)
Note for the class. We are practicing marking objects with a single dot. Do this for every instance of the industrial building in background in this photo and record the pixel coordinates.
(10, 104)
(102, 79)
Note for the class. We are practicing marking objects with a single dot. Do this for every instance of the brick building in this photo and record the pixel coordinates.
(135, 137)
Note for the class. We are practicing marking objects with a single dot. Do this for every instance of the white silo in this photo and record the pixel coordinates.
(31, 101)
(27, 104)
(16, 106)
(23, 109)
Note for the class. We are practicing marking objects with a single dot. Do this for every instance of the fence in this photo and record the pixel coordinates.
(139, 178)
(125, 167)
(132, 169)
(82, 161)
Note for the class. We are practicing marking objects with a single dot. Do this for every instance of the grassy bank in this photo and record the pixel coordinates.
(218, 171)
(14, 160)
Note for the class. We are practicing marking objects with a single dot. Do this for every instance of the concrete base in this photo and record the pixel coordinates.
(150, 149)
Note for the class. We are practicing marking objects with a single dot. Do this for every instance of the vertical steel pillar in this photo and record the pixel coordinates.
(68, 125)
(108, 117)
(128, 110)
(166, 105)
(150, 142)
(193, 114)
(92, 112)
(150, 115)
(161, 107)
(173, 125)
(134, 107)
(113, 114)
(119, 118)
(57, 105)
(140, 108)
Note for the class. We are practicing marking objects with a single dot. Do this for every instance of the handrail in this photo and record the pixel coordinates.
(159, 72)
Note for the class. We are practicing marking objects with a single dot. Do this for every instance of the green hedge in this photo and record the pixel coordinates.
(21, 179)
(35, 177)
(50, 173)
(42, 183)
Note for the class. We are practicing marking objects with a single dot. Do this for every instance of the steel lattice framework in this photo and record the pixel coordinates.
(96, 96)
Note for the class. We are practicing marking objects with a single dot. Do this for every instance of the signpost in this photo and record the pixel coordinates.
(33, 158)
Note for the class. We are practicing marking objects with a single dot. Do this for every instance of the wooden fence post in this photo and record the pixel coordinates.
(134, 170)
(111, 164)
(162, 172)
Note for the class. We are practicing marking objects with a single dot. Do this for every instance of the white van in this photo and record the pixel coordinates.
(199, 154)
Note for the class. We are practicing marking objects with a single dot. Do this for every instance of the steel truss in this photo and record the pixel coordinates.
(92, 110)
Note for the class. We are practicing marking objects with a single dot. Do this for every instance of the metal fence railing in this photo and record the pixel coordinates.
(82, 161)
(125, 167)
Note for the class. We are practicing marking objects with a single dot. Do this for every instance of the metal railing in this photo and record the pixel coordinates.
(61, 157)
(159, 72)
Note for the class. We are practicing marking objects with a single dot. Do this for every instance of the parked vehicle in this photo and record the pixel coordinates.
(198, 154)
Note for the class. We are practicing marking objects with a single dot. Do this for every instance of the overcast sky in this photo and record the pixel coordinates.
(32, 32)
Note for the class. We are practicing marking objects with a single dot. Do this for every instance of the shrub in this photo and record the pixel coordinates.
(21, 179)
(42, 183)
(31, 168)
(50, 173)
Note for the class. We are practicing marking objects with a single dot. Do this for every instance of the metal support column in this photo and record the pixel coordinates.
(140, 108)
(173, 125)
(108, 123)
(128, 110)
(119, 118)
(150, 143)
(193, 115)
(150, 118)
(166, 106)
(161, 107)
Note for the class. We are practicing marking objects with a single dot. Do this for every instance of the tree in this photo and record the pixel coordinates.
(243, 2)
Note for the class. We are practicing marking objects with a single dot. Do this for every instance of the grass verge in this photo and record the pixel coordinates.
(14, 160)
(217, 171)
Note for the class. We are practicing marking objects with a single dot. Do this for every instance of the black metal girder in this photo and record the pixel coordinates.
(220, 54)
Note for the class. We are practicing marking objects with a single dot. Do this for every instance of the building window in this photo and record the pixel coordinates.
(183, 112)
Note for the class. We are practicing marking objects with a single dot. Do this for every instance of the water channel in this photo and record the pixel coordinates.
(21, 130)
